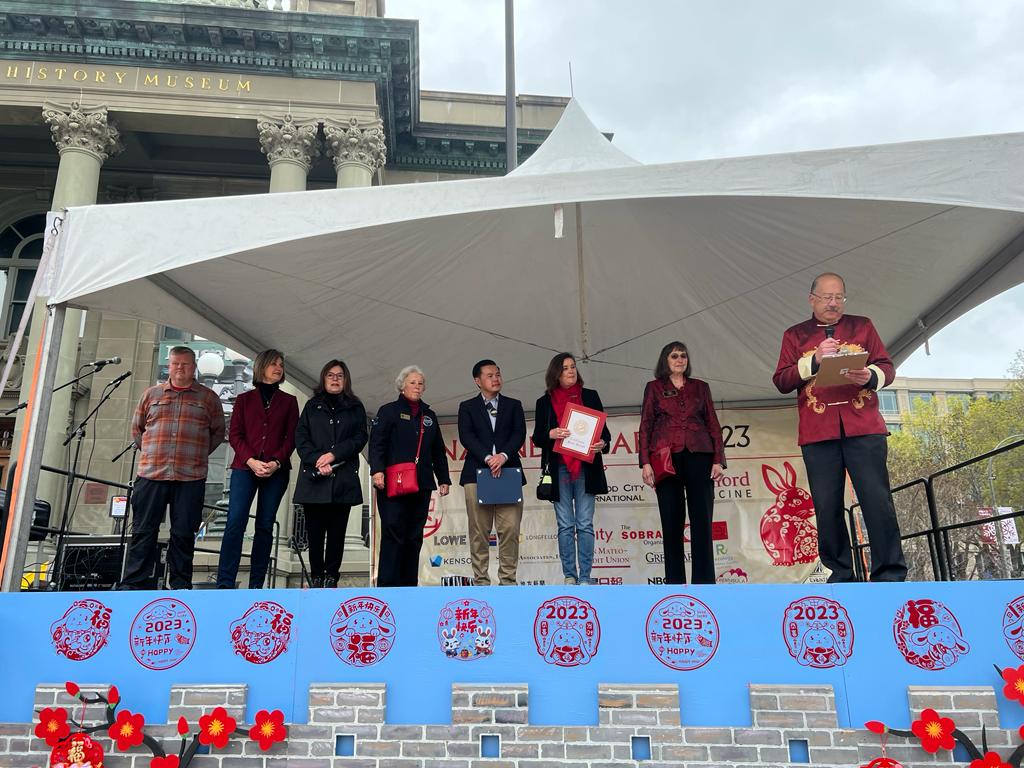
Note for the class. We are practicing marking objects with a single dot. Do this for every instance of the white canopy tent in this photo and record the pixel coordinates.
(717, 253)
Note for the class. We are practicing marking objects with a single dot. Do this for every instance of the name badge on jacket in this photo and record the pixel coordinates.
(405, 416)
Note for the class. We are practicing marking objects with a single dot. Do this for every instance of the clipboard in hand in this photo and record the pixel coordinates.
(830, 372)
(505, 489)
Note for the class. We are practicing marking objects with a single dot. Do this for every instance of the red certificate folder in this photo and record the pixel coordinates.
(587, 431)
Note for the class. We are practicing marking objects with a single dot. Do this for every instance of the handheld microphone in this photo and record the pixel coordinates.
(100, 364)
(315, 473)
(830, 331)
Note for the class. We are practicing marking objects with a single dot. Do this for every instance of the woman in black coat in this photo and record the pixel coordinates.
(395, 439)
(329, 437)
(576, 482)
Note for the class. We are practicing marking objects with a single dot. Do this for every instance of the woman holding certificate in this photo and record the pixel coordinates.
(681, 456)
(569, 428)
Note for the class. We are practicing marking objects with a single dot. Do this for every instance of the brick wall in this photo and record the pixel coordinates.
(632, 719)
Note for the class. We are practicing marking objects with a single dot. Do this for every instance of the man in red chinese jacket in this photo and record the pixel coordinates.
(841, 430)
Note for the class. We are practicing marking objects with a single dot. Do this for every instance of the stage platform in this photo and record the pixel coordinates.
(869, 642)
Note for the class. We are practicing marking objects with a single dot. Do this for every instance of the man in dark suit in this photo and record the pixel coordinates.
(492, 428)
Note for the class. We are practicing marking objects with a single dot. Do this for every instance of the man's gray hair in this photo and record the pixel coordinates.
(405, 373)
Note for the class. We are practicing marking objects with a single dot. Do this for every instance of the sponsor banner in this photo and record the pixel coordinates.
(764, 529)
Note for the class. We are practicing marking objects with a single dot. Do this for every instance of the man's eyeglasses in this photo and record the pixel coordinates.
(335, 376)
(830, 297)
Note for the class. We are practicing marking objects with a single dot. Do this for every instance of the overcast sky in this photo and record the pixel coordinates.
(687, 80)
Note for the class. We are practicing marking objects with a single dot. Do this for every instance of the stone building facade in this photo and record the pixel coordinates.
(111, 101)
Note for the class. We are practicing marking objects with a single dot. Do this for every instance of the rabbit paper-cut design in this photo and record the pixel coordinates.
(788, 531)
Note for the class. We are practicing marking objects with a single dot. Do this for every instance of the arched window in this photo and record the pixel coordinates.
(21, 247)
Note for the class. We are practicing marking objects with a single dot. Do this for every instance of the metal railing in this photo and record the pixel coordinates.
(937, 535)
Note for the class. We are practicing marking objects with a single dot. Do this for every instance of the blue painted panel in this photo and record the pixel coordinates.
(871, 684)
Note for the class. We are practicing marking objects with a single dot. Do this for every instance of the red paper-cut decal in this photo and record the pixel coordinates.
(1013, 626)
(163, 634)
(466, 630)
(82, 631)
(362, 631)
(682, 632)
(262, 633)
(566, 631)
(818, 632)
(928, 635)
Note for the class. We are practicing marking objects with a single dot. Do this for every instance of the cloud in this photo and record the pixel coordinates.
(720, 78)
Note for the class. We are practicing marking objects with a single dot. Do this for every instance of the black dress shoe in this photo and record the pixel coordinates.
(316, 582)
(330, 582)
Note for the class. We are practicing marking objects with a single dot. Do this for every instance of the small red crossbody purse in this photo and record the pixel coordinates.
(401, 479)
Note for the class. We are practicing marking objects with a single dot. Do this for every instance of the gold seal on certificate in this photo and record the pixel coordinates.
(584, 425)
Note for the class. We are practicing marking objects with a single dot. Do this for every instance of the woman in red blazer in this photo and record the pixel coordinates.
(262, 434)
(679, 428)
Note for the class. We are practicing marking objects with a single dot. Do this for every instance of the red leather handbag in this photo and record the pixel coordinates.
(401, 479)
(661, 463)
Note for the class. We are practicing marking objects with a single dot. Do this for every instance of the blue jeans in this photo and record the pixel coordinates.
(574, 513)
(244, 488)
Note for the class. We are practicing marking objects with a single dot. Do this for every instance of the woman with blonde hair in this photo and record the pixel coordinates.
(406, 455)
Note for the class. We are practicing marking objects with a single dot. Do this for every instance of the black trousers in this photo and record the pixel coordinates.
(401, 538)
(690, 491)
(325, 527)
(864, 458)
(150, 498)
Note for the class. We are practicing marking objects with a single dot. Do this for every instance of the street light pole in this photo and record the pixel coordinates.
(511, 155)
(1004, 562)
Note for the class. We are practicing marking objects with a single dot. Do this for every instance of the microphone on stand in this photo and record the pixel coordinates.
(100, 364)
(119, 379)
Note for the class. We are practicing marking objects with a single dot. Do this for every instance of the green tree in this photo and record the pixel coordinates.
(933, 438)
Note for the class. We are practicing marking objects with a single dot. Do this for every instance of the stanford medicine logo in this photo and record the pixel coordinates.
(163, 634)
(466, 630)
(682, 632)
(928, 635)
(362, 631)
(82, 631)
(818, 632)
(566, 631)
(262, 633)
(787, 527)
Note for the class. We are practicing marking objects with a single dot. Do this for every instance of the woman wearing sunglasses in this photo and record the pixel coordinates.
(681, 457)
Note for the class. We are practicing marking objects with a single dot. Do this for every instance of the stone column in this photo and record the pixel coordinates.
(85, 137)
(357, 149)
(291, 148)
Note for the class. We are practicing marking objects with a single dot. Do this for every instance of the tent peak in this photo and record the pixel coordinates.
(575, 144)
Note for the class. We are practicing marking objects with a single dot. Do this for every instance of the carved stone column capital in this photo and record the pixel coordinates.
(288, 139)
(83, 129)
(355, 141)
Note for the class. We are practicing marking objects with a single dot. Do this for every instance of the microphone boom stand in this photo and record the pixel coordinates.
(122, 545)
(77, 434)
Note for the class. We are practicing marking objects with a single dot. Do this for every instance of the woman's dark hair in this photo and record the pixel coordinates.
(346, 388)
(661, 370)
(554, 371)
(264, 359)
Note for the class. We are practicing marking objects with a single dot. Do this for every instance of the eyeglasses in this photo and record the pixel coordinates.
(830, 297)
(678, 356)
(335, 376)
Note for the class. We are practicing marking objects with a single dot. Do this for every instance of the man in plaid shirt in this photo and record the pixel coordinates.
(177, 424)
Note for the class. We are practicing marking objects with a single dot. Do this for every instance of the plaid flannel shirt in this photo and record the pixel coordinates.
(177, 431)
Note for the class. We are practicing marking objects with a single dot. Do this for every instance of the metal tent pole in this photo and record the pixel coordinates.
(30, 450)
